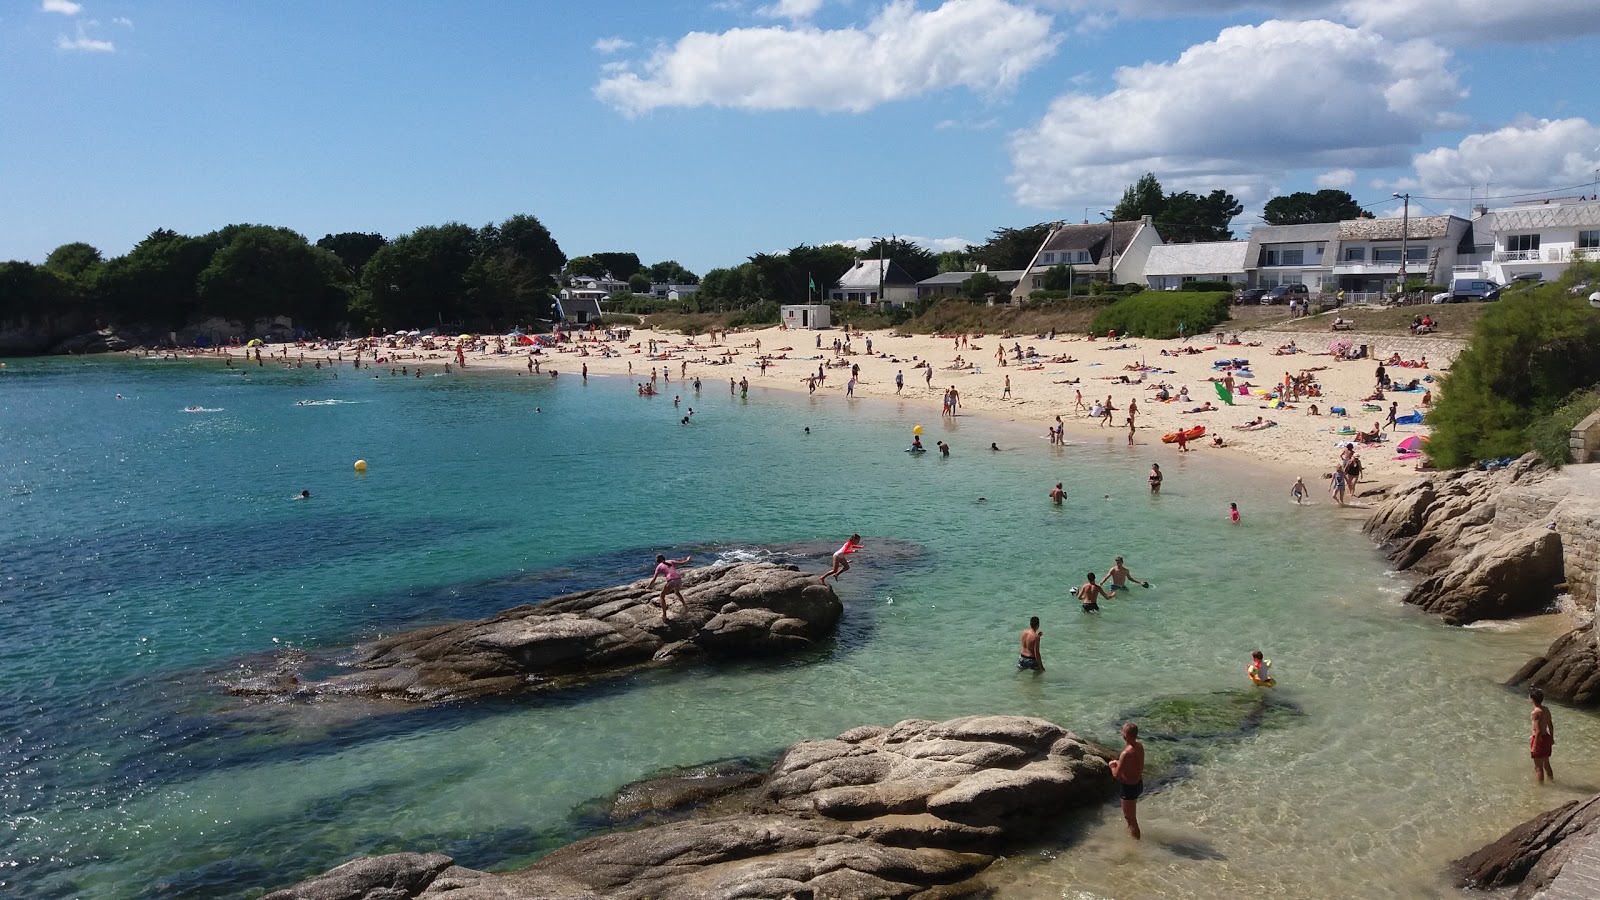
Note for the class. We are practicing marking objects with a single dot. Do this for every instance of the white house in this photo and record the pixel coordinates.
(805, 316)
(948, 284)
(1091, 250)
(1169, 266)
(1292, 254)
(669, 291)
(1369, 251)
(863, 282)
(1541, 238)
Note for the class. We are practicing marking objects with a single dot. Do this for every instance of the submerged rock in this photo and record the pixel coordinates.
(1531, 855)
(748, 609)
(915, 810)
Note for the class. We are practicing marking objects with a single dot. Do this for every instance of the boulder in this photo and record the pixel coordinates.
(1510, 576)
(1569, 672)
(582, 635)
(103, 341)
(1531, 855)
(916, 810)
(1403, 514)
(390, 877)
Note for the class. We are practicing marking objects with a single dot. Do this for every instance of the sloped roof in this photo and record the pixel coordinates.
(1005, 276)
(1297, 234)
(1206, 258)
(1533, 218)
(1418, 228)
(571, 306)
(864, 275)
(1091, 237)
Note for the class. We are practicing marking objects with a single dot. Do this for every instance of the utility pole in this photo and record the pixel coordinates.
(1111, 274)
(1405, 232)
(880, 271)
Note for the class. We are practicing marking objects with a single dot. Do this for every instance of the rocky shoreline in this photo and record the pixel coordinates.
(748, 609)
(916, 810)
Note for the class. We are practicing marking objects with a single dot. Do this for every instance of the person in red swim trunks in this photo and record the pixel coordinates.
(1544, 738)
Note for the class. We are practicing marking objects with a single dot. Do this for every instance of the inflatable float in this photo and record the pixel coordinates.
(1223, 392)
(1189, 434)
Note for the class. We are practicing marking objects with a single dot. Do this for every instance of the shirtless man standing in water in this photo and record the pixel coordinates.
(1128, 770)
(1119, 576)
(1057, 494)
(1030, 657)
(1090, 592)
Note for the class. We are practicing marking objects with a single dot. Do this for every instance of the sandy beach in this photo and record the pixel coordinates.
(1297, 444)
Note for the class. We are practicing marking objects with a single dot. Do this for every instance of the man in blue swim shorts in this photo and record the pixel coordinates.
(1030, 657)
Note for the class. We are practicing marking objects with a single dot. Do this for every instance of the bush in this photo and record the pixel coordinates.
(1550, 435)
(1528, 354)
(1157, 314)
(620, 319)
(1206, 287)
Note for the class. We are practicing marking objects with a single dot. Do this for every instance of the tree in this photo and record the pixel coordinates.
(979, 286)
(30, 293)
(421, 278)
(1010, 248)
(670, 272)
(954, 261)
(1187, 217)
(512, 279)
(265, 271)
(917, 261)
(155, 283)
(639, 283)
(76, 261)
(585, 266)
(1302, 208)
(353, 248)
(1142, 198)
(823, 264)
(620, 265)
(1057, 278)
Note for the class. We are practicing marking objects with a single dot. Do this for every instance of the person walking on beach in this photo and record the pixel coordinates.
(1544, 737)
(668, 568)
(927, 377)
(1394, 407)
(1090, 592)
(1130, 431)
(733, 387)
(1006, 394)
(1119, 576)
(899, 380)
(744, 388)
(1299, 492)
(1057, 494)
(1030, 658)
(1183, 441)
(1128, 770)
(955, 400)
(841, 558)
(850, 387)
(1155, 478)
(1077, 402)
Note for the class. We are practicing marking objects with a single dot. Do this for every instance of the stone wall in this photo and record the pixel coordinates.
(1440, 351)
(1571, 500)
(1585, 442)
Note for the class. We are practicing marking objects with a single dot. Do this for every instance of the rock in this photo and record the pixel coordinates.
(916, 810)
(397, 876)
(681, 789)
(1569, 672)
(103, 341)
(1402, 515)
(1531, 855)
(578, 636)
(1511, 576)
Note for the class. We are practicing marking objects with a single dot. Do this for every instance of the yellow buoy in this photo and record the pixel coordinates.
(917, 430)
(361, 465)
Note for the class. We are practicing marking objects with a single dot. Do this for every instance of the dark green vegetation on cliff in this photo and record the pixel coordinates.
(1529, 354)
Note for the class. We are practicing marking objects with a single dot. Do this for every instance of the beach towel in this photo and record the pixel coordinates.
(1413, 418)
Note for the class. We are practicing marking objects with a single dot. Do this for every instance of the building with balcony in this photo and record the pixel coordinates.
(1370, 251)
(1093, 251)
(1292, 254)
(1541, 238)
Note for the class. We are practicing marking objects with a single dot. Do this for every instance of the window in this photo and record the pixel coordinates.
(1295, 257)
(1355, 254)
(1522, 242)
(1317, 251)
(1415, 253)
(1083, 256)
(1049, 258)
(1272, 257)
(1589, 240)
(1038, 283)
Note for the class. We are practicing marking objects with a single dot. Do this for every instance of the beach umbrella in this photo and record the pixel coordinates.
(466, 337)
(1340, 347)
(254, 342)
(1412, 444)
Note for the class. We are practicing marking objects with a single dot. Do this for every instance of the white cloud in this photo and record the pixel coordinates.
(65, 7)
(612, 45)
(794, 10)
(83, 42)
(1525, 157)
(983, 45)
(1477, 21)
(1237, 113)
(1338, 178)
(123, 21)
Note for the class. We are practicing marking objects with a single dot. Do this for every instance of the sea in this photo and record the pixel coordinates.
(151, 552)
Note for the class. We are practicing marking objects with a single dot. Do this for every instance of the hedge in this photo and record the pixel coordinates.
(1157, 314)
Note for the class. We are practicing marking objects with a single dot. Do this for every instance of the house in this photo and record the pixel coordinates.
(670, 291)
(1169, 266)
(805, 316)
(578, 311)
(948, 284)
(1540, 237)
(1292, 254)
(1093, 251)
(1369, 251)
(873, 281)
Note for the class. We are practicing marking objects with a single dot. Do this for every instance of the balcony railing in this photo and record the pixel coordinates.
(1547, 255)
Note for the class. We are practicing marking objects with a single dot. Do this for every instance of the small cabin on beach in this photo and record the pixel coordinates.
(806, 316)
(582, 311)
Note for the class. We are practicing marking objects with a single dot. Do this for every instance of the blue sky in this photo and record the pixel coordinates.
(706, 132)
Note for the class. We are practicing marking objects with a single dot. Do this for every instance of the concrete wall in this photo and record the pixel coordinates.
(1571, 500)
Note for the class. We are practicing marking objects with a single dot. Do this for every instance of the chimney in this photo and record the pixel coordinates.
(1478, 211)
(1146, 220)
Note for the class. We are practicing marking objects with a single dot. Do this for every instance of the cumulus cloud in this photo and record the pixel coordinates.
(612, 45)
(1337, 178)
(983, 45)
(1224, 114)
(791, 9)
(81, 41)
(1524, 157)
(65, 7)
(124, 21)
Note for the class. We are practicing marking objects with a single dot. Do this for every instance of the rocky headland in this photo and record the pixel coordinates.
(916, 810)
(749, 609)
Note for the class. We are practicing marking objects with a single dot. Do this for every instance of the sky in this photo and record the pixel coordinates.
(707, 132)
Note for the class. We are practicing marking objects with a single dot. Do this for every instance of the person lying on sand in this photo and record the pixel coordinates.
(1203, 408)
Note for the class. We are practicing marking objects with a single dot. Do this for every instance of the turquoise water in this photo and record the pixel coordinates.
(150, 553)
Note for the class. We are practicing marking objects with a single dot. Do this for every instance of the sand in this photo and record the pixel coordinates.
(1298, 445)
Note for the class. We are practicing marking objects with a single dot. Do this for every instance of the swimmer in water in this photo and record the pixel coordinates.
(841, 561)
(1259, 670)
(1057, 494)
(994, 446)
(303, 495)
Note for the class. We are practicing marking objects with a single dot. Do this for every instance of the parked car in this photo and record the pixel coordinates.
(1463, 289)
(1249, 295)
(1283, 293)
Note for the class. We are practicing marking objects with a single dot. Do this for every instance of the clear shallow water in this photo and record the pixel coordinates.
(146, 551)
